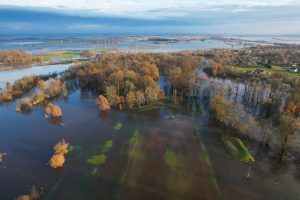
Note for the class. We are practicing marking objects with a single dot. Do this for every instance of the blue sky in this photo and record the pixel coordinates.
(153, 17)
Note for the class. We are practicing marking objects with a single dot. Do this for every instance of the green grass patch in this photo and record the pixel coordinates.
(208, 162)
(99, 50)
(66, 55)
(171, 159)
(118, 126)
(237, 149)
(107, 146)
(135, 143)
(97, 159)
(268, 71)
(157, 105)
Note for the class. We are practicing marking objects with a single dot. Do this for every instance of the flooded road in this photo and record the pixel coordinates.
(133, 155)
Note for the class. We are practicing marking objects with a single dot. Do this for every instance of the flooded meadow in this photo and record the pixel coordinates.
(170, 152)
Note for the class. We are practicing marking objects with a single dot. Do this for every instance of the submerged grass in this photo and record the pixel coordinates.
(208, 163)
(97, 159)
(171, 159)
(237, 149)
(135, 146)
(118, 126)
(131, 172)
(157, 105)
(100, 157)
(53, 190)
(107, 146)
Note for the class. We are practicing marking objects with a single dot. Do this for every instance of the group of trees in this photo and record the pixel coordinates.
(17, 89)
(45, 90)
(18, 57)
(230, 115)
(87, 54)
(124, 79)
(58, 158)
(53, 110)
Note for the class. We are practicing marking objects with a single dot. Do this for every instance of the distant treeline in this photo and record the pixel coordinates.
(18, 57)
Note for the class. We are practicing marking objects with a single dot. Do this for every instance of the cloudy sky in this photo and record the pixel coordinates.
(150, 16)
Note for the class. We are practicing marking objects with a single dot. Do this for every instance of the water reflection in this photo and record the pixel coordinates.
(12, 75)
(141, 155)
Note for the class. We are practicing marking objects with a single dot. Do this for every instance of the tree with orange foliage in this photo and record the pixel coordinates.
(87, 54)
(130, 99)
(120, 101)
(24, 105)
(102, 103)
(53, 110)
(288, 125)
(58, 158)
(151, 70)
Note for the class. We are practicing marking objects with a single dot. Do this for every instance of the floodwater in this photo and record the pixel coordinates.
(11, 76)
(144, 155)
(44, 46)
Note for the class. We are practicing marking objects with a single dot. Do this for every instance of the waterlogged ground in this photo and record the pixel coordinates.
(132, 155)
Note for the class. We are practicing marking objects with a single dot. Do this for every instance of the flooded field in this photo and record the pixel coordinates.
(11, 76)
(134, 155)
(123, 44)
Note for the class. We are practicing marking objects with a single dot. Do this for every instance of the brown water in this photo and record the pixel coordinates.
(151, 157)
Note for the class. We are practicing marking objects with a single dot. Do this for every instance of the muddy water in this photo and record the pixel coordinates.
(133, 155)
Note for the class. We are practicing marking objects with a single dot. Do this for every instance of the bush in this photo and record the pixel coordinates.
(102, 103)
(58, 158)
(53, 110)
(38, 98)
(34, 195)
(24, 105)
(61, 147)
(17, 89)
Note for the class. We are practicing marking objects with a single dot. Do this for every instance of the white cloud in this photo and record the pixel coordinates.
(143, 7)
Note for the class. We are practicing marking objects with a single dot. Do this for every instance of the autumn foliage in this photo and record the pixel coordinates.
(24, 105)
(103, 103)
(53, 110)
(18, 57)
(58, 158)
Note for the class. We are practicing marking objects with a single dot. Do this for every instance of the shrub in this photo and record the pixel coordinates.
(57, 160)
(34, 195)
(61, 147)
(53, 110)
(103, 103)
(24, 105)
(38, 98)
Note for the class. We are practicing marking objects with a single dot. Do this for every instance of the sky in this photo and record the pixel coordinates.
(235, 17)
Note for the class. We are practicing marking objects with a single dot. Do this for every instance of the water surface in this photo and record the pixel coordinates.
(149, 156)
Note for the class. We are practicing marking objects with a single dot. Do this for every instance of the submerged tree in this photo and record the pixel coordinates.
(130, 99)
(34, 195)
(288, 125)
(53, 110)
(111, 94)
(58, 158)
(102, 103)
(24, 105)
